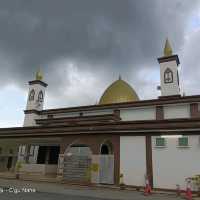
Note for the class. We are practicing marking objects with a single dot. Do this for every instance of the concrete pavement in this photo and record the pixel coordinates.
(52, 196)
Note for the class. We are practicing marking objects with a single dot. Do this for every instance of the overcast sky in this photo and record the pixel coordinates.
(83, 45)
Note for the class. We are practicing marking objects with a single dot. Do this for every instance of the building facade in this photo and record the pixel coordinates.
(157, 138)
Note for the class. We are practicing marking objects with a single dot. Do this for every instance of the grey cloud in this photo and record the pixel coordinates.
(190, 64)
(113, 36)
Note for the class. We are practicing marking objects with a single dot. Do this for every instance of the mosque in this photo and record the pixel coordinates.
(120, 136)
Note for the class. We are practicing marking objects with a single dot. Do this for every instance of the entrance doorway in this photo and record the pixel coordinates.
(48, 154)
(9, 163)
(106, 163)
(41, 155)
(53, 155)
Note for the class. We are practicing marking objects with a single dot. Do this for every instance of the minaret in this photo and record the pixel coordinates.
(169, 77)
(35, 100)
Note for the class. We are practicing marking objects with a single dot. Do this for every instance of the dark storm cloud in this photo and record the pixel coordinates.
(110, 35)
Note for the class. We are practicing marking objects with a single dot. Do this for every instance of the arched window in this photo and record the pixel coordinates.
(168, 76)
(40, 96)
(32, 95)
(106, 148)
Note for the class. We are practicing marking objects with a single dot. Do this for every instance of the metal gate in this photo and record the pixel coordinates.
(106, 174)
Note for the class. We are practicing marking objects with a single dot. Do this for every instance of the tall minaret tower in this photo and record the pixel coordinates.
(35, 100)
(169, 77)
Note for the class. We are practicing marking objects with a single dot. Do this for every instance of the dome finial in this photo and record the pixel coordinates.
(167, 49)
(39, 75)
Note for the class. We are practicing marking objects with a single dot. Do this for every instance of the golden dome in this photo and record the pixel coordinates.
(118, 92)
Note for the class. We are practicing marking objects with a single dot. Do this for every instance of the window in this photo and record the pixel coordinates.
(40, 96)
(32, 95)
(168, 76)
(22, 150)
(183, 142)
(177, 77)
(160, 142)
(31, 150)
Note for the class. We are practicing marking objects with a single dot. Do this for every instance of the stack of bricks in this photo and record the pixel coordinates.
(76, 168)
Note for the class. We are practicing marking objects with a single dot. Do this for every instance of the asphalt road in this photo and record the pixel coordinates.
(43, 196)
(29, 190)
(53, 196)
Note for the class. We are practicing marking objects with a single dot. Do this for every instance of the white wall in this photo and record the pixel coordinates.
(133, 159)
(29, 119)
(33, 104)
(71, 114)
(77, 114)
(138, 114)
(177, 111)
(51, 169)
(97, 112)
(172, 164)
(95, 176)
(39, 168)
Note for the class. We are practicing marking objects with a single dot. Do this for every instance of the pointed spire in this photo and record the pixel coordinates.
(39, 75)
(167, 50)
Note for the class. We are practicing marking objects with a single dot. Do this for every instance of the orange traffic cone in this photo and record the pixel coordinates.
(147, 190)
(188, 190)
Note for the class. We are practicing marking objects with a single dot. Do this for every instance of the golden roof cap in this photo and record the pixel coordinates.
(168, 49)
(39, 75)
(118, 92)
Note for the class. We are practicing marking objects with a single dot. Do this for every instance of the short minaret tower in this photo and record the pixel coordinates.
(169, 76)
(35, 100)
